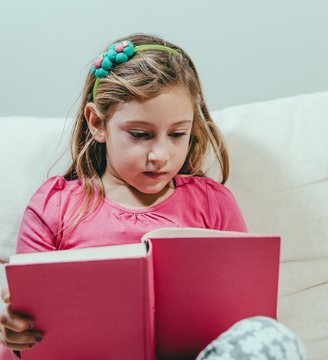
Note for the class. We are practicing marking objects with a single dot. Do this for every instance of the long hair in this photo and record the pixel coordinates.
(143, 77)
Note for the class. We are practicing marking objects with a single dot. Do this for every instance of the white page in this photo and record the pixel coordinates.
(95, 253)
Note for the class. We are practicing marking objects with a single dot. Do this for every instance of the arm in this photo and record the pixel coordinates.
(224, 210)
(39, 230)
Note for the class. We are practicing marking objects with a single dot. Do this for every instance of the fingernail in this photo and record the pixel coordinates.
(38, 338)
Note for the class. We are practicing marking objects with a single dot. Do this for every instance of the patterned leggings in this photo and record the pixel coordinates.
(257, 338)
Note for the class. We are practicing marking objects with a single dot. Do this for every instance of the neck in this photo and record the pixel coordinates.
(125, 195)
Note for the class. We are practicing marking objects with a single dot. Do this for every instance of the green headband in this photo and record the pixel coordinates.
(118, 53)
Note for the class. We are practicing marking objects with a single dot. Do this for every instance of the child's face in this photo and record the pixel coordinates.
(147, 142)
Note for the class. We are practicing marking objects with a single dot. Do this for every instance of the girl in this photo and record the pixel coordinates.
(138, 145)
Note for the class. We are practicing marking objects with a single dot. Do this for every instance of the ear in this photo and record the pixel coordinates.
(95, 123)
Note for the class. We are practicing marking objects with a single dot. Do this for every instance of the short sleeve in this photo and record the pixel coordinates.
(225, 213)
(39, 229)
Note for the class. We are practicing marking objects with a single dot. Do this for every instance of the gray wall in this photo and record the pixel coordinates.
(245, 51)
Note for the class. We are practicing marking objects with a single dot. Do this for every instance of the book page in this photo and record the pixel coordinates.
(125, 251)
(195, 232)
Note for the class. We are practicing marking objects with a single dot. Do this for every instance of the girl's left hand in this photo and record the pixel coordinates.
(16, 331)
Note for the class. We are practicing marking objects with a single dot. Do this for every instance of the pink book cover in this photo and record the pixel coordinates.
(99, 309)
(204, 285)
(199, 285)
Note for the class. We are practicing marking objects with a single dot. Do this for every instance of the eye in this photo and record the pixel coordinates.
(140, 134)
(177, 134)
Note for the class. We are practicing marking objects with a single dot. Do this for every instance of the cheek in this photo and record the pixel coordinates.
(123, 154)
(184, 146)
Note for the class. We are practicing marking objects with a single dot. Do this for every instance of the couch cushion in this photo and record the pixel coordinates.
(279, 175)
(30, 147)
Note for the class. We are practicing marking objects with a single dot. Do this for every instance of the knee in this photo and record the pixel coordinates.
(256, 337)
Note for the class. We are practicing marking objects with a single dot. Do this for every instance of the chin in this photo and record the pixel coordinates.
(152, 189)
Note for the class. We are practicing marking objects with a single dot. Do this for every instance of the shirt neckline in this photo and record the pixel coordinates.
(148, 209)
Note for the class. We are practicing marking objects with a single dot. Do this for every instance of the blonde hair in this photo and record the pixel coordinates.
(143, 77)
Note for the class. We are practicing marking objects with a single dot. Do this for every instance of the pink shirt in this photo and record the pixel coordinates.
(196, 202)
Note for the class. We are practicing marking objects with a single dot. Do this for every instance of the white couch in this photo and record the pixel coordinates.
(279, 175)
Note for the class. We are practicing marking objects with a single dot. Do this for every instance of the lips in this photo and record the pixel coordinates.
(154, 175)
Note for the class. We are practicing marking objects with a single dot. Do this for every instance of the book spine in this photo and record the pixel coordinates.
(149, 305)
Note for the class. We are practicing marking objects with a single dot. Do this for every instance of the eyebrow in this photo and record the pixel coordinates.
(141, 122)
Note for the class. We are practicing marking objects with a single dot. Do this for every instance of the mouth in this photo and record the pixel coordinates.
(154, 175)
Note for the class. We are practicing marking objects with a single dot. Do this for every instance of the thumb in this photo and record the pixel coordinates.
(5, 295)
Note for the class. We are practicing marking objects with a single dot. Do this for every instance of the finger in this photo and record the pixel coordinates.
(15, 322)
(23, 338)
(5, 295)
(16, 347)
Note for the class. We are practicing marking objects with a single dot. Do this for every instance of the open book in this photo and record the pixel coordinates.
(169, 295)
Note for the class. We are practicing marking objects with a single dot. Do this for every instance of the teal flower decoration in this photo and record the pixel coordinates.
(117, 53)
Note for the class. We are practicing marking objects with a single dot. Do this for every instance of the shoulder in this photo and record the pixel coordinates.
(204, 185)
(58, 184)
(216, 190)
(43, 218)
(216, 200)
(54, 190)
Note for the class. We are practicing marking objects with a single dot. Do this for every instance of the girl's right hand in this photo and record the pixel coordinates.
(16, 331)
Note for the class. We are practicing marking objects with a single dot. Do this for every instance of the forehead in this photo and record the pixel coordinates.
(170, 106)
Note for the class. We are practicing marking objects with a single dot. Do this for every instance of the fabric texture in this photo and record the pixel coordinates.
(256, 338)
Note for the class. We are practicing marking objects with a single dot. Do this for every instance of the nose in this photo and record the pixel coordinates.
(159, 155)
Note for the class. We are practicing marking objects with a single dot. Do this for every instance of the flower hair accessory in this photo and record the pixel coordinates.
(118, 53)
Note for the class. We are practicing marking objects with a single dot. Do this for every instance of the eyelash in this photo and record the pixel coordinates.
(146, 136)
